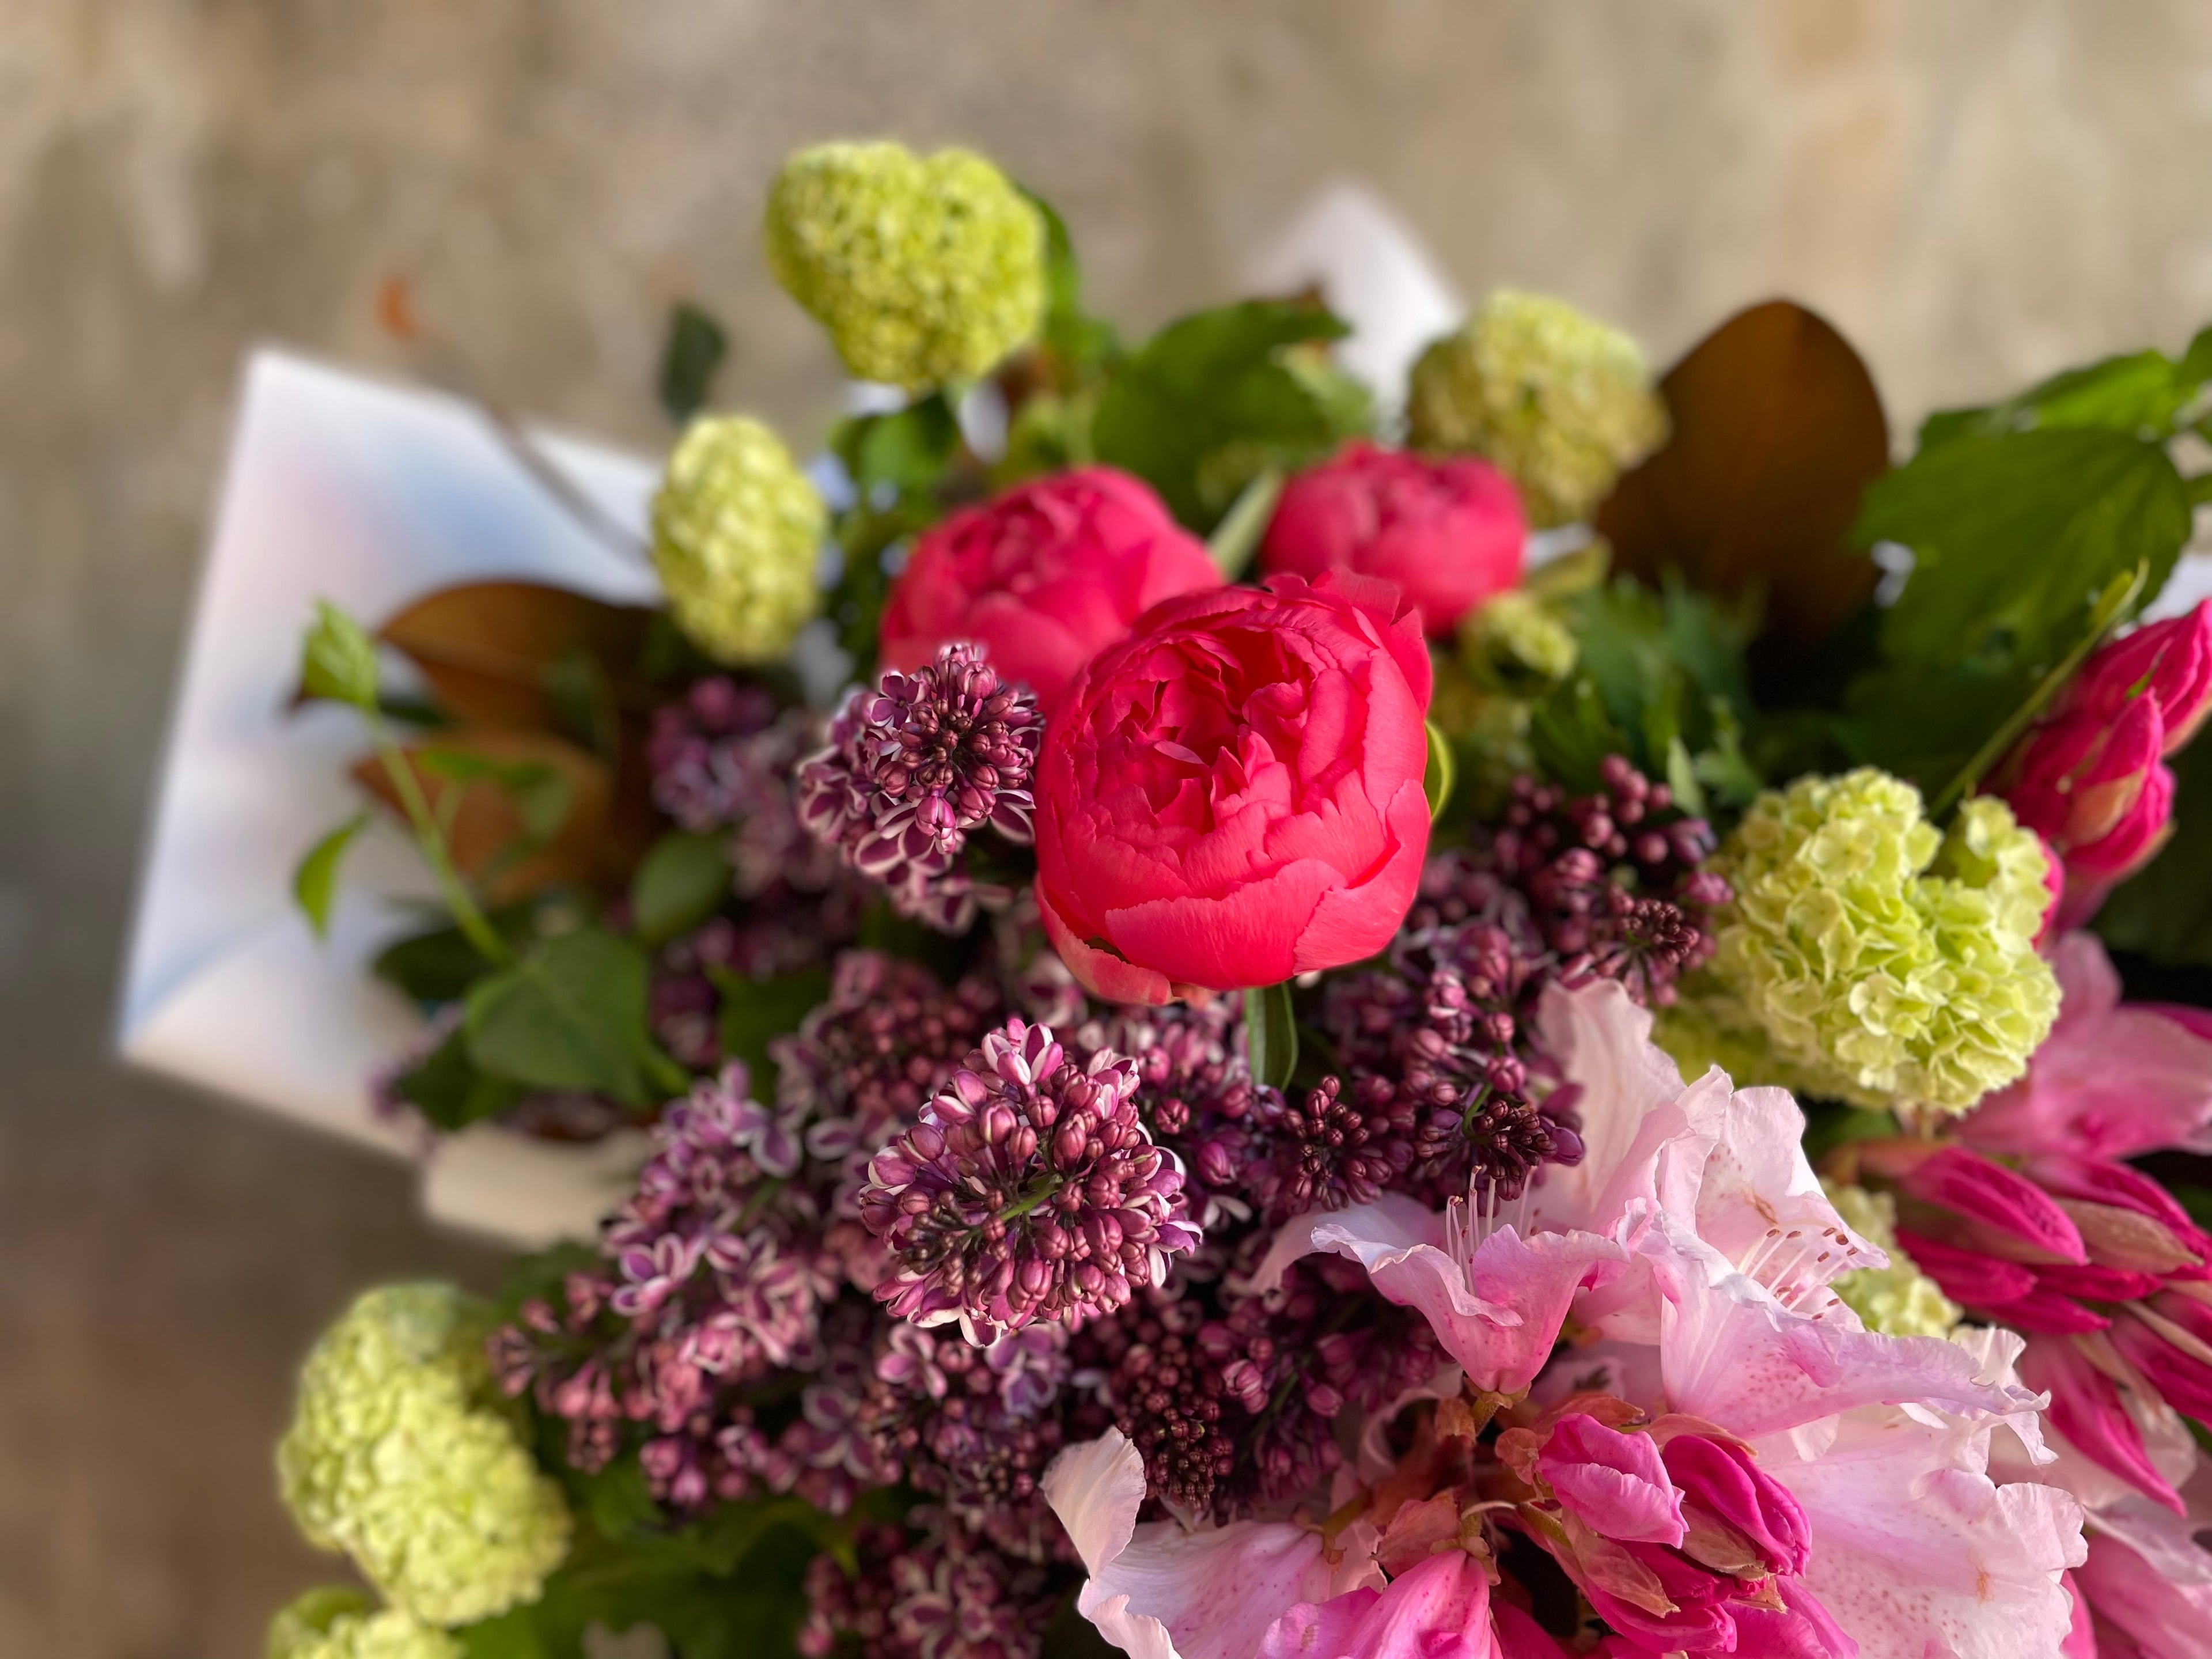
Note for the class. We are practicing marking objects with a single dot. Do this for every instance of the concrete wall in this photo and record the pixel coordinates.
(1977, 191)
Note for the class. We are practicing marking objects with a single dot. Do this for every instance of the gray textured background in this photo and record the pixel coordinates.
(1976, 192)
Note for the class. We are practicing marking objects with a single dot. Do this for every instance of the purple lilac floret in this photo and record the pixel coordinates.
(1030, 1190)
(944, 1597)
(722, 757)
(914, 767)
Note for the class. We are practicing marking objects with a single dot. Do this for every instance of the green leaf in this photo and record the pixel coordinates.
(439, 965)
(680, 882)
(583, 698)
(540, 794)
(1571, 735)
(1237, 538)
(906, 450)
(339, 659)
(315, 883)
(2143, 394)
(693, 350)
(1437, 781)
(1214, 400)
(449, 1091)
(2014, 535)
(2164, 910)
(757, 1012)
(570, 1015)
(1081, 341)
(1270, 1034)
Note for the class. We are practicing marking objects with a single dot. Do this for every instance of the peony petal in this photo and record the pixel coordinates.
(1112, 978)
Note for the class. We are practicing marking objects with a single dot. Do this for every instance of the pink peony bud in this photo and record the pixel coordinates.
(1448, 530)
(2166, 663)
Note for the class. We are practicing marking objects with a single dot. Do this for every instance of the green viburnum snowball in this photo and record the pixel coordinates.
(339, 1624)
(736, 537)
(1898, 1300)
(399, 1456)
(1878, 962)
(1558, 402)
(924, 269)
(1513, 642)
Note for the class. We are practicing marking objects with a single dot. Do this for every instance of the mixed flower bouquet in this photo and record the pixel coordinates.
(1262, 1072)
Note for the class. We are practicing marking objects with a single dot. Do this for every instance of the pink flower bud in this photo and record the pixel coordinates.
(1986, 1192)
(2166, 663)
(2080, 778)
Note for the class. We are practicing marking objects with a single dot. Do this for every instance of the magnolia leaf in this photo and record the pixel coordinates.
(680, 882)
(689, 356)
(339, 659)
(572, 1015)
(1778, 430)
(315, 883)
(1271, 1035)
(1437, 781)
(491, 650)
(1237, 538)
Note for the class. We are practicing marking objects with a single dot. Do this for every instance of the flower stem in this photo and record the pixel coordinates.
(429, 833)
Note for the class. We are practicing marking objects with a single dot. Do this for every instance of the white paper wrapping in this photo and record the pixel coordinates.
(369, 495)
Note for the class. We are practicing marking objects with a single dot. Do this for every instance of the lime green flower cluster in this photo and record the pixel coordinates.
(399, 1456)
(924, 268)
(1898, 1300)
(1558, 402)
(736, 537)
(1513, 643)
(339, 1624)
(1882, 962)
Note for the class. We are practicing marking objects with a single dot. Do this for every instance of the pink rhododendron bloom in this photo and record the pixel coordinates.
(1438, 1609)
(2147, 1583)
(2112, 1080)
(1447, 529)
(1043, 577)
(1233, 795)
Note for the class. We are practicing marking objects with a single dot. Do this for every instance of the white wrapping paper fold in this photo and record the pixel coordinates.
(371, 495)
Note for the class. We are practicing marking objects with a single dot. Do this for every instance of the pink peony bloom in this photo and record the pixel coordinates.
(2112, 1081)
(1234, 795)
(1448, 530)
(1043, 577)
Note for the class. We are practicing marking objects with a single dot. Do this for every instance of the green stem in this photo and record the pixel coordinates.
(468, 915)
(1022, 1206)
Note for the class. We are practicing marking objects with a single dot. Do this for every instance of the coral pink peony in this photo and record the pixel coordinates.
(1448, 530)
(1233, 795)
(1043, 577)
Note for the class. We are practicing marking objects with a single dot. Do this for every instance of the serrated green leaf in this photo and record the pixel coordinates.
(1270, 1034)
(338, 660)
(1237, 536)
(2141, 394)
(1437, 781)
(2013, 535)
(690, 354)
(572, 1015)
(1215, 399)
(315, 883)
(439, 964)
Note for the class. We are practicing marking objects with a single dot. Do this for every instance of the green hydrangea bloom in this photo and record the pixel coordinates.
(339, 1624)
(399, 1456)
(1883, 963)
(924, 268)
(1512, 642)
(736, 537)
(1898, 1300)
(1558, 402)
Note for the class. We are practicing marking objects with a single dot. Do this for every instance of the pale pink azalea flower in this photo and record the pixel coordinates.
(2112, 1080)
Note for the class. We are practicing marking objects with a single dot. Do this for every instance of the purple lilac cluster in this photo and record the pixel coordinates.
(913, 768)
(1028, 1190)
(723, 756)
(940, 1595)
